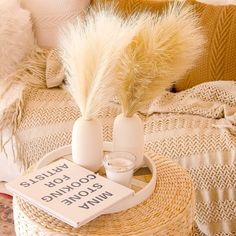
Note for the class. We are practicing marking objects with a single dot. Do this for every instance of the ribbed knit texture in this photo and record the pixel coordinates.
(219, 59)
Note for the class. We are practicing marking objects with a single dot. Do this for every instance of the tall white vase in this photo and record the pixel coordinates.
(87, 144)
(128, 136)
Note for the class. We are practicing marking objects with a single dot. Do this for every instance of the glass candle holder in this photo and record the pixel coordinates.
(119, 167)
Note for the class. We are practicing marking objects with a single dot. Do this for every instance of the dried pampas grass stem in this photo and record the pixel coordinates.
(90, 52)
(136, 57)
(164, 49)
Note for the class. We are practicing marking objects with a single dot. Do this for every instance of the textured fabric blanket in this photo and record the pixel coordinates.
(40, 69)
(195, 128)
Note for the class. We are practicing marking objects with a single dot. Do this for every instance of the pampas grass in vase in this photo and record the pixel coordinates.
(90, 51)
(163, 50)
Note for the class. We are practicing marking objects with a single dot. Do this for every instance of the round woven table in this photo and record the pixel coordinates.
(168, 211)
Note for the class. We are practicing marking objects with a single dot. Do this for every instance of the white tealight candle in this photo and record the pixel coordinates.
(120, 164)
(119, 167)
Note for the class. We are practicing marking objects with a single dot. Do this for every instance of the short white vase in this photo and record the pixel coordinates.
(87, 144)
(128, 136)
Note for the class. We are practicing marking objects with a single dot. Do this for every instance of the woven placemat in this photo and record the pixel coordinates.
(169, 211)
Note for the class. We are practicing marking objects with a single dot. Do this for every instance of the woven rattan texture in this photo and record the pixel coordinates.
(169, 211)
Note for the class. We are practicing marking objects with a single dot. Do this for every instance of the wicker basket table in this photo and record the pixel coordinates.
(169, 211)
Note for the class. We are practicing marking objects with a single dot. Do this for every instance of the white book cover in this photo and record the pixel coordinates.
(69, 192)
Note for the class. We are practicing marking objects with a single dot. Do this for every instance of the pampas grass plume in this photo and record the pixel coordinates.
(138, 57)
(164, 49)
(90, 53)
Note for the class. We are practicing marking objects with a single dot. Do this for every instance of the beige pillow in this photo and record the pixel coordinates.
(50, 15)
(16, 36)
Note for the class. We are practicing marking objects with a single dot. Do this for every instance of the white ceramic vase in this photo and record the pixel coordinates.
(87, 144)
(128, 136)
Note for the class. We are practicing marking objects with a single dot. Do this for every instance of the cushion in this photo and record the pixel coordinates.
(49, 16)
(16, 36)
(219, 59)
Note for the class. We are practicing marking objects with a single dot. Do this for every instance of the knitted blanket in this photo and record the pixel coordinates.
(40, 69)
(195, 127)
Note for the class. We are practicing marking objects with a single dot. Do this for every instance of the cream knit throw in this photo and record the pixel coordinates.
(195, 127)
(40, 69)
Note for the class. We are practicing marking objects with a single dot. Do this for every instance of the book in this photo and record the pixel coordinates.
(69, 192)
